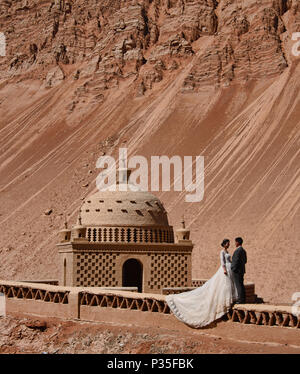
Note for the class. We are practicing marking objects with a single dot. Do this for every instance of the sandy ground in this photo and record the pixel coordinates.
(56, 336)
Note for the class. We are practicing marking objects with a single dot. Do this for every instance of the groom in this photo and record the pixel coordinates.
(239, 260)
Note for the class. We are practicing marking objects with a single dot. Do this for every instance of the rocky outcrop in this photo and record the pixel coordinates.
(111, 41)
(54, 77)
(247, 46)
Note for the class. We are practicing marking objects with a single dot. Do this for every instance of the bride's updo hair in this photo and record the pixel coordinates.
(224, 242)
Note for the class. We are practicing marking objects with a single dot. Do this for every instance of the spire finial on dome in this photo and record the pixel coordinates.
(123, 173)
(66, 223)
(79, 218)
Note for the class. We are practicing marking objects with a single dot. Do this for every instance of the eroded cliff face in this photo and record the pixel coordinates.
(203, 77)
(108, 42)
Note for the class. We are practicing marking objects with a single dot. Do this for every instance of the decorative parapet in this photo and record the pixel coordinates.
(136, 301)
(44, 299)
(34, 291)
(123, 306)
(264, 314)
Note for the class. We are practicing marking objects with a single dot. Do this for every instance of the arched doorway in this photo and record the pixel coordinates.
(132, 274)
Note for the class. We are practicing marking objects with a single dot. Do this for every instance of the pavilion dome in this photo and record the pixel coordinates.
(123, 208)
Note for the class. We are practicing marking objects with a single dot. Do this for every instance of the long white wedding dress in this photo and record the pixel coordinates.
(209, 302)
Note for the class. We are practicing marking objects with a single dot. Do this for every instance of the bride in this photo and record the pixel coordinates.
(209, 302)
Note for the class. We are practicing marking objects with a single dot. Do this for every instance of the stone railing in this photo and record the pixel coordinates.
(34, 291)
(264, 314)
(123, 305)
(38, 299)
(138, 301)
(46, 300)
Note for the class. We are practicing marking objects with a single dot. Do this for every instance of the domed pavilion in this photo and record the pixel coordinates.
(123, 239)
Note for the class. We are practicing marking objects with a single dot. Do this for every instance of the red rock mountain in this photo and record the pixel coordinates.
(161, 77)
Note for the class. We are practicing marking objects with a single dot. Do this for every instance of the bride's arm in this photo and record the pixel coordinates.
(223, 264)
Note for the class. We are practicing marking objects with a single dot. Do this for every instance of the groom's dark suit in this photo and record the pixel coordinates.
(239, 259)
